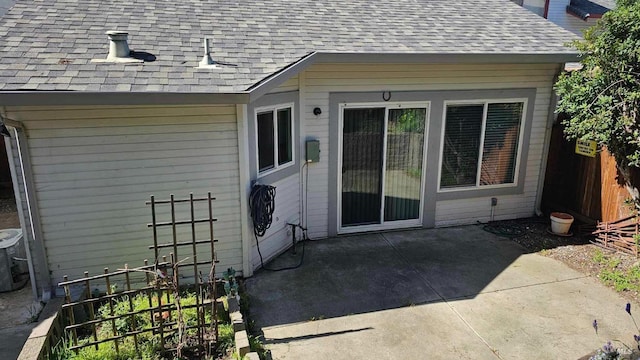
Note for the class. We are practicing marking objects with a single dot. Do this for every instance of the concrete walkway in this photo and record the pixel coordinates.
(454, 293)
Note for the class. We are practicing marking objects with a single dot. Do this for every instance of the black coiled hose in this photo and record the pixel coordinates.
(262, 204)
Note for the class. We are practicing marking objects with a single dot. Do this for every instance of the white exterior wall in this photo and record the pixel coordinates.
(558, 15)
(290, 84)
(94, 168)
(321, 79)
(287, 210)
(278, 237)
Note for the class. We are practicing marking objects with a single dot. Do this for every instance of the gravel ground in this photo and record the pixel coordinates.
(16, 307)
(7, 205)
(8, 214)
(575, 251)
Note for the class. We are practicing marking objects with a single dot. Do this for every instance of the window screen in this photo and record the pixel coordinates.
(500, 148)
(461, 145)
(265, 141)
(486, 131)
(274, 130)
(284, 136)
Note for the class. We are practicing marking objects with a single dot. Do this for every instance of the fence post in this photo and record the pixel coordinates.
(72, 319)
(92, 315)
(111, 312)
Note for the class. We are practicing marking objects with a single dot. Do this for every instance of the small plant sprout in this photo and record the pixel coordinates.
(230, 283)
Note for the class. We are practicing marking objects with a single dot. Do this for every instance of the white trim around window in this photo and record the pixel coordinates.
(518, 160)
(274, 109)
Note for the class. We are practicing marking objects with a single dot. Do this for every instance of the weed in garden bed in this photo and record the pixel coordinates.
(610, 274)
(255, 335)
(148, 343)
(225, 338)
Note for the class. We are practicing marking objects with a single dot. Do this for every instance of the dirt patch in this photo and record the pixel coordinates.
(575, 251)
(8, 214)
(18, 307)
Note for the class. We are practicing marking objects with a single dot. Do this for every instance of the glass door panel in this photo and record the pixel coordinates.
(403, 172)
(362, 161)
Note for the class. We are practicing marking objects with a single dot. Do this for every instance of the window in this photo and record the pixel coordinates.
(481, 144)
(274, 128)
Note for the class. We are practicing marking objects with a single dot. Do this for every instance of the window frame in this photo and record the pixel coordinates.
(485, 103)
(274, 110)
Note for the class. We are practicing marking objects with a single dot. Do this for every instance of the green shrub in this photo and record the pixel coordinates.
(148, 344)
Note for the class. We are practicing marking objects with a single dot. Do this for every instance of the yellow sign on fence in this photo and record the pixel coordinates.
(586, 147)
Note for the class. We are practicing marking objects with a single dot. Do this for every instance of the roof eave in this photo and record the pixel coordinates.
(276, 79)
(39, 98)
(449, 58)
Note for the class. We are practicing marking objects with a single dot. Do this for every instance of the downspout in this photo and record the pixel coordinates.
(18, 199)
(245, 187)
(303, 208)
(15, 125)
(546, 9)
(34, 218)
(553, 101)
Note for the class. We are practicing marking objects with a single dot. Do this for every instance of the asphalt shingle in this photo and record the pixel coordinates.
(252, 39)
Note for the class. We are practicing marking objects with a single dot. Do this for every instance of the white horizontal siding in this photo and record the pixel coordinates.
(291, 84)
(457, 212)
(287, 210)
(95, 167)
(321, 79)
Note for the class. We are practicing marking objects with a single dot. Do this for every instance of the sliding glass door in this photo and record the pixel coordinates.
(382, 166)
(362, 143)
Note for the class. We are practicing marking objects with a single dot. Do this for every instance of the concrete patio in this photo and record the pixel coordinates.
(454, 293)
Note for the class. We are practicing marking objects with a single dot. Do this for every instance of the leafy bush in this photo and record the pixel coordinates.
(603, 98)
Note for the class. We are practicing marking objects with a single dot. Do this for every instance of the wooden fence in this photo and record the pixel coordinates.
(591, 187)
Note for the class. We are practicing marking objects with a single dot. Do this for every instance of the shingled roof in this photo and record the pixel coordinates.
(49, 45)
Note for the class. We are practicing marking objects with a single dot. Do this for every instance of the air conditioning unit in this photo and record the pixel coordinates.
(14, 270)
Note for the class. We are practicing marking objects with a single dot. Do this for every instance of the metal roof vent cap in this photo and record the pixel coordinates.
(119, 51)
(207, 62)
(118, 47)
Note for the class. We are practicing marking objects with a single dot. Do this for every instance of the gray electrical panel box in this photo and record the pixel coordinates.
(312, 148)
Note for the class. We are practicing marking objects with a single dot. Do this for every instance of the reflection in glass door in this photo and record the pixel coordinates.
(382, 165)
(403, 170)
(361, 166)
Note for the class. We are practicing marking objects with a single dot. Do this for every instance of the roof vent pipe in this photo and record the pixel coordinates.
(118, 47)
(207, 61)
(119, 51)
